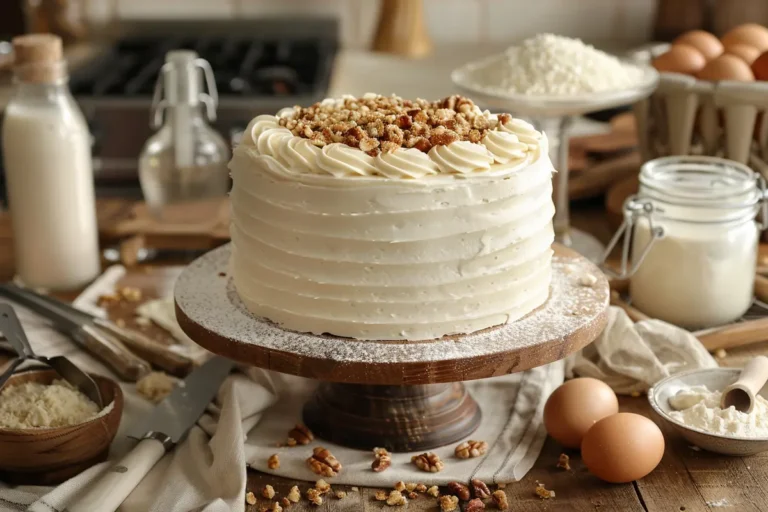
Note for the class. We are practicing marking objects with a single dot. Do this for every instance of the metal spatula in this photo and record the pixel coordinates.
(11, 327)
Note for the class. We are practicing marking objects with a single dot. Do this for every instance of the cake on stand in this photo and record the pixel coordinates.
(405, 396)
(554, 115)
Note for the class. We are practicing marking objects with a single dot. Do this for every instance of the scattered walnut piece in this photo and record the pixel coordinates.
(322, 486)
(480, 489)
(564, 462)
(301, 434)
(291, 442)
(396, 499)
(155, 386)
(382, 460)
(273, 462)
(340, 495)
(314, 497)
(130, 294)
(250, 498)
(470, 449)
(410, 487)
(412, 495)
(459, 490)
(380, 495)
(285, 502)
(400, 486)
(322, 462)
(476, 505)
(448, 503)
(428, 462)
(275, 507)
(500, 499)
(543, 492)
(421, 488)
(268, 492)
(433, 491)
(107, 300)
(294, 495)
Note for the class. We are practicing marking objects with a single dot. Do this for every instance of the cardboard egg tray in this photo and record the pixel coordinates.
(687, 116)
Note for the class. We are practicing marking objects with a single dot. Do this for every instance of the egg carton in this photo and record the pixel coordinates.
(687, 116)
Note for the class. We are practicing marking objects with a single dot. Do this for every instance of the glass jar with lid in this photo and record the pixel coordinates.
(693, 238)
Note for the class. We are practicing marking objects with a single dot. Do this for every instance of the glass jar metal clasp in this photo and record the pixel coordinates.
(209, 98)
(635, 208)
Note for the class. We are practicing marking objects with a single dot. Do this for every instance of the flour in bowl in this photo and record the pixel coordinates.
(699, 407)
(550, 65)
(36, 405)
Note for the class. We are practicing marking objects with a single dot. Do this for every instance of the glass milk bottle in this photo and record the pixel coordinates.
(47, 161)
(695, 240)
(183, 167)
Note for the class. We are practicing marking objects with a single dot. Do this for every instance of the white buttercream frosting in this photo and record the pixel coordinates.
(402, 245)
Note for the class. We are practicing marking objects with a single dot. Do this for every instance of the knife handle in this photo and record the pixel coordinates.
(109, 491)
(112, 352)
(155, 353)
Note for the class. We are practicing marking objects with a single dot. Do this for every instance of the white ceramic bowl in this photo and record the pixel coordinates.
(715, 379)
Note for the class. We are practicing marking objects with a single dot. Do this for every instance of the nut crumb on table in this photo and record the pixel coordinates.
(459, 490)
(274, 461)
(500, 500)
(380, 495)
(399, 486)
(396, 499)
(314, 497)
(475, 505)
(268, 492)
(448, 503)
(322, 486)
(155, 386)
(433, 491)
(250, 498)
(564, 462)
(480, 489)
(340, 495)
(543, 492)
(294, 495)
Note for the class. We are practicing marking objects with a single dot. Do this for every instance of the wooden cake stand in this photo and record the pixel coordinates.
(404, 396)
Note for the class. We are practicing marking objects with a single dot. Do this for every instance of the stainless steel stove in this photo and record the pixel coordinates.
(260, 66)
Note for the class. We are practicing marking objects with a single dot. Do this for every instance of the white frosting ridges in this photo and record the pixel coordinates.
(403, 245)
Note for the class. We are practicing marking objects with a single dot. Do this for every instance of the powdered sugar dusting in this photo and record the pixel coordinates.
(212, 302)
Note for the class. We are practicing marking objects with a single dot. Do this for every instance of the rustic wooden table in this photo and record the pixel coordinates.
(686, 480)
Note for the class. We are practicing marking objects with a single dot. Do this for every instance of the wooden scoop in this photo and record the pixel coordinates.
(741, 394)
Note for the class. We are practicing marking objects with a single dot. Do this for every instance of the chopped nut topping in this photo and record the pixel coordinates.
(340, 495)
(428, 462)
(382, 460)
(380, 123)
(396, 499)
(480, 489)
(421, 488)
(301, 435)
(322, 462)
(322, 486)
(268, 492)
(380, 495)
(314, 497)
(250, 498)
(470, 449)
(400, 486)
(433, 491)
(476, 505)
(448, 503)
(294, 495)
(564, 462)
(273, 462)
(543, 493)
(459, 490)
(500, 499)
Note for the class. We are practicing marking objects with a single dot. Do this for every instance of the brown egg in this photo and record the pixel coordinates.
(709, 45)
(760, 67)
(622, 448)
(680, 58)
(751, 34)
(743, 51)
(575, 406)
(727, 67)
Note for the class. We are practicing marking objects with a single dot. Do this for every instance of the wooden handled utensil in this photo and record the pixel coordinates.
(741, 394)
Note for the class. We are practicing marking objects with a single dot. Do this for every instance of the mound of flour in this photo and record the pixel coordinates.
(553, 66)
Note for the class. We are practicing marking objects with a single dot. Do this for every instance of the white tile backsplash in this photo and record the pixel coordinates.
(447, 20)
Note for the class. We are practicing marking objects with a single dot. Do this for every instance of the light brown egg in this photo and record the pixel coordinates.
(680, 58)
(709, 45)
(575, 406)
(727, 67)
(760, 67)
(622, 448)
(743, 51)
(748, 33)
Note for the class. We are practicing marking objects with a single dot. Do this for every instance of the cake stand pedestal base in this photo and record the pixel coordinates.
(398, 418)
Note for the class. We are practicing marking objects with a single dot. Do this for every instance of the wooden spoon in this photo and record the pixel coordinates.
(741, 394)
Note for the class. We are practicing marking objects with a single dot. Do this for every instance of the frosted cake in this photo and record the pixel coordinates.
(388, 219)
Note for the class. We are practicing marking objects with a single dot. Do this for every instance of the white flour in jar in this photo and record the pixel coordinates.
(548, 64)
(699, 407)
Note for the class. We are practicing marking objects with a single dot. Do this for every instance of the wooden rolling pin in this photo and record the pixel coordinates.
(734, 335)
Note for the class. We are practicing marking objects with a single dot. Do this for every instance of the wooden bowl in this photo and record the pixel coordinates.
(45, 456)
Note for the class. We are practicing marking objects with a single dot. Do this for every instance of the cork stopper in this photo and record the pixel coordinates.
(38, 58)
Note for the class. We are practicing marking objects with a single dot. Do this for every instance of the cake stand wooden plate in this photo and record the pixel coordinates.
(405, 396)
